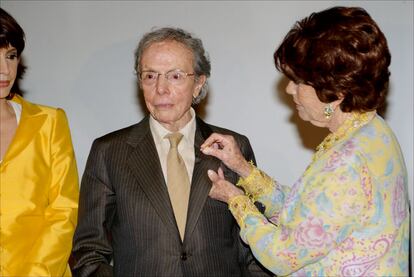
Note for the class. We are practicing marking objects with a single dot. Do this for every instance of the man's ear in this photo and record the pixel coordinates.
(201, 80)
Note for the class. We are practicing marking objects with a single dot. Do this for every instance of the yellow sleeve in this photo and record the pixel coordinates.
(259, 187)
(50, 252)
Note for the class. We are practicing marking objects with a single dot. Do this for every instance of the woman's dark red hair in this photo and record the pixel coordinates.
(339, 52)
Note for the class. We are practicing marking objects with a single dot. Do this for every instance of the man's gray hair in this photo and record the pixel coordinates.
(201, 61)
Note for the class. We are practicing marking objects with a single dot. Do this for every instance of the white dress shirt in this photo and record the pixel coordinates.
(185, 147)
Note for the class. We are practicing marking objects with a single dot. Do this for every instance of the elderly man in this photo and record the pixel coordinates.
(144, 196)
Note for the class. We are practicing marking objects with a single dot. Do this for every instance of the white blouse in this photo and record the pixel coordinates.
(17, 110)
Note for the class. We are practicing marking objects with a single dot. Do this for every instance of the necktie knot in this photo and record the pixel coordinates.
(174, 139)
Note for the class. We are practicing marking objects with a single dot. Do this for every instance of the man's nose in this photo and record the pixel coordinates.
(161, 84)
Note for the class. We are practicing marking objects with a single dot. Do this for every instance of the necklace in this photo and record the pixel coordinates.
(353, 122)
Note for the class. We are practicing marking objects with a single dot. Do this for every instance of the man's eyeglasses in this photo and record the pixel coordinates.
(174, 77)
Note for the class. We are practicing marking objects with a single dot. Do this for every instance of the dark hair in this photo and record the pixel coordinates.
(338, 51)
(12, 34)
(201, 61)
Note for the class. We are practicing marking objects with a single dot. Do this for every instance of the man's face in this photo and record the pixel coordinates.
(168, 102)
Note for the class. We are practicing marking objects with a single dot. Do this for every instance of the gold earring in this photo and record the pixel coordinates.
(328, 111)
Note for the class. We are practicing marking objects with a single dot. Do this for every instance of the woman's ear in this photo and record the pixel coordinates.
(338, 102)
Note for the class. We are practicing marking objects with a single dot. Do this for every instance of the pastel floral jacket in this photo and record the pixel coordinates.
(347, 215)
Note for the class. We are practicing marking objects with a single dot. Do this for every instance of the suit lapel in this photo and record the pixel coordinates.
(200, 184)
(31, 120)
(146, 168)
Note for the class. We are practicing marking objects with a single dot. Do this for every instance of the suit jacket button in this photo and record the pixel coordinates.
(183, 256)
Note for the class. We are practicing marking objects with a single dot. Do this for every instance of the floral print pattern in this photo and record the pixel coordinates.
(399, 204)
(311, 234)
(347, 215)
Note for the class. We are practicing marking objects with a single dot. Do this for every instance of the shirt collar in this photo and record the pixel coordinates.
(188, 131)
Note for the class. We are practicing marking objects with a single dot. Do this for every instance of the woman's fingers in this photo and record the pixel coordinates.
(226, 149)
(214, 151)
(214, 177)
(214, 140)
(221, 173)
(221, 189)
(223, 147)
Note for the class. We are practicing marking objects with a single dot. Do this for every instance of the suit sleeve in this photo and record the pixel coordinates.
(51, 250)
(253, 267)
(92, 250)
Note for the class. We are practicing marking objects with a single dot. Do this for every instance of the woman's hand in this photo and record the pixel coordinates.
(225, 148)
(222, 190)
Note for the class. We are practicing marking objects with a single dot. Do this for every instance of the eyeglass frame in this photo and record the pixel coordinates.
(165, 74)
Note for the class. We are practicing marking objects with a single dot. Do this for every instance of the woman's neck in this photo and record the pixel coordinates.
(6, 110)
(338, 118)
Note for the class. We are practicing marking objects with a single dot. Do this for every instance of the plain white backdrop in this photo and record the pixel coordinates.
(80, 57)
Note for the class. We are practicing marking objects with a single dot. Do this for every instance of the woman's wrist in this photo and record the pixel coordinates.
(245, 169)
(234, 193)
(256, 183)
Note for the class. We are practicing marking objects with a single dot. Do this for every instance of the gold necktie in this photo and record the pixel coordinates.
(177, 182)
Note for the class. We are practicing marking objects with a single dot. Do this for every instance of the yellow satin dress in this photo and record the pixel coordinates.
(39, 192)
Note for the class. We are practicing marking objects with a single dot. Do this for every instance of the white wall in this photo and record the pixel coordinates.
(80, 58)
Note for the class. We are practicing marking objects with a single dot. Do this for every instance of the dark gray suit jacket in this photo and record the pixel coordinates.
(125, 213)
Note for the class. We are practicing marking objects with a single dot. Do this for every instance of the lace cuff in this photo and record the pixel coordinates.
(241, 206)
(256, 184)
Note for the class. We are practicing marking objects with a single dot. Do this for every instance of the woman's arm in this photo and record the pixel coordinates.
(50, 253)
(262, 188)
(311, 224)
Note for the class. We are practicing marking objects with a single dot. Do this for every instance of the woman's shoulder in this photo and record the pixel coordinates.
(32, 108)
(376, 134)
(374, 143)
(370, 140)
